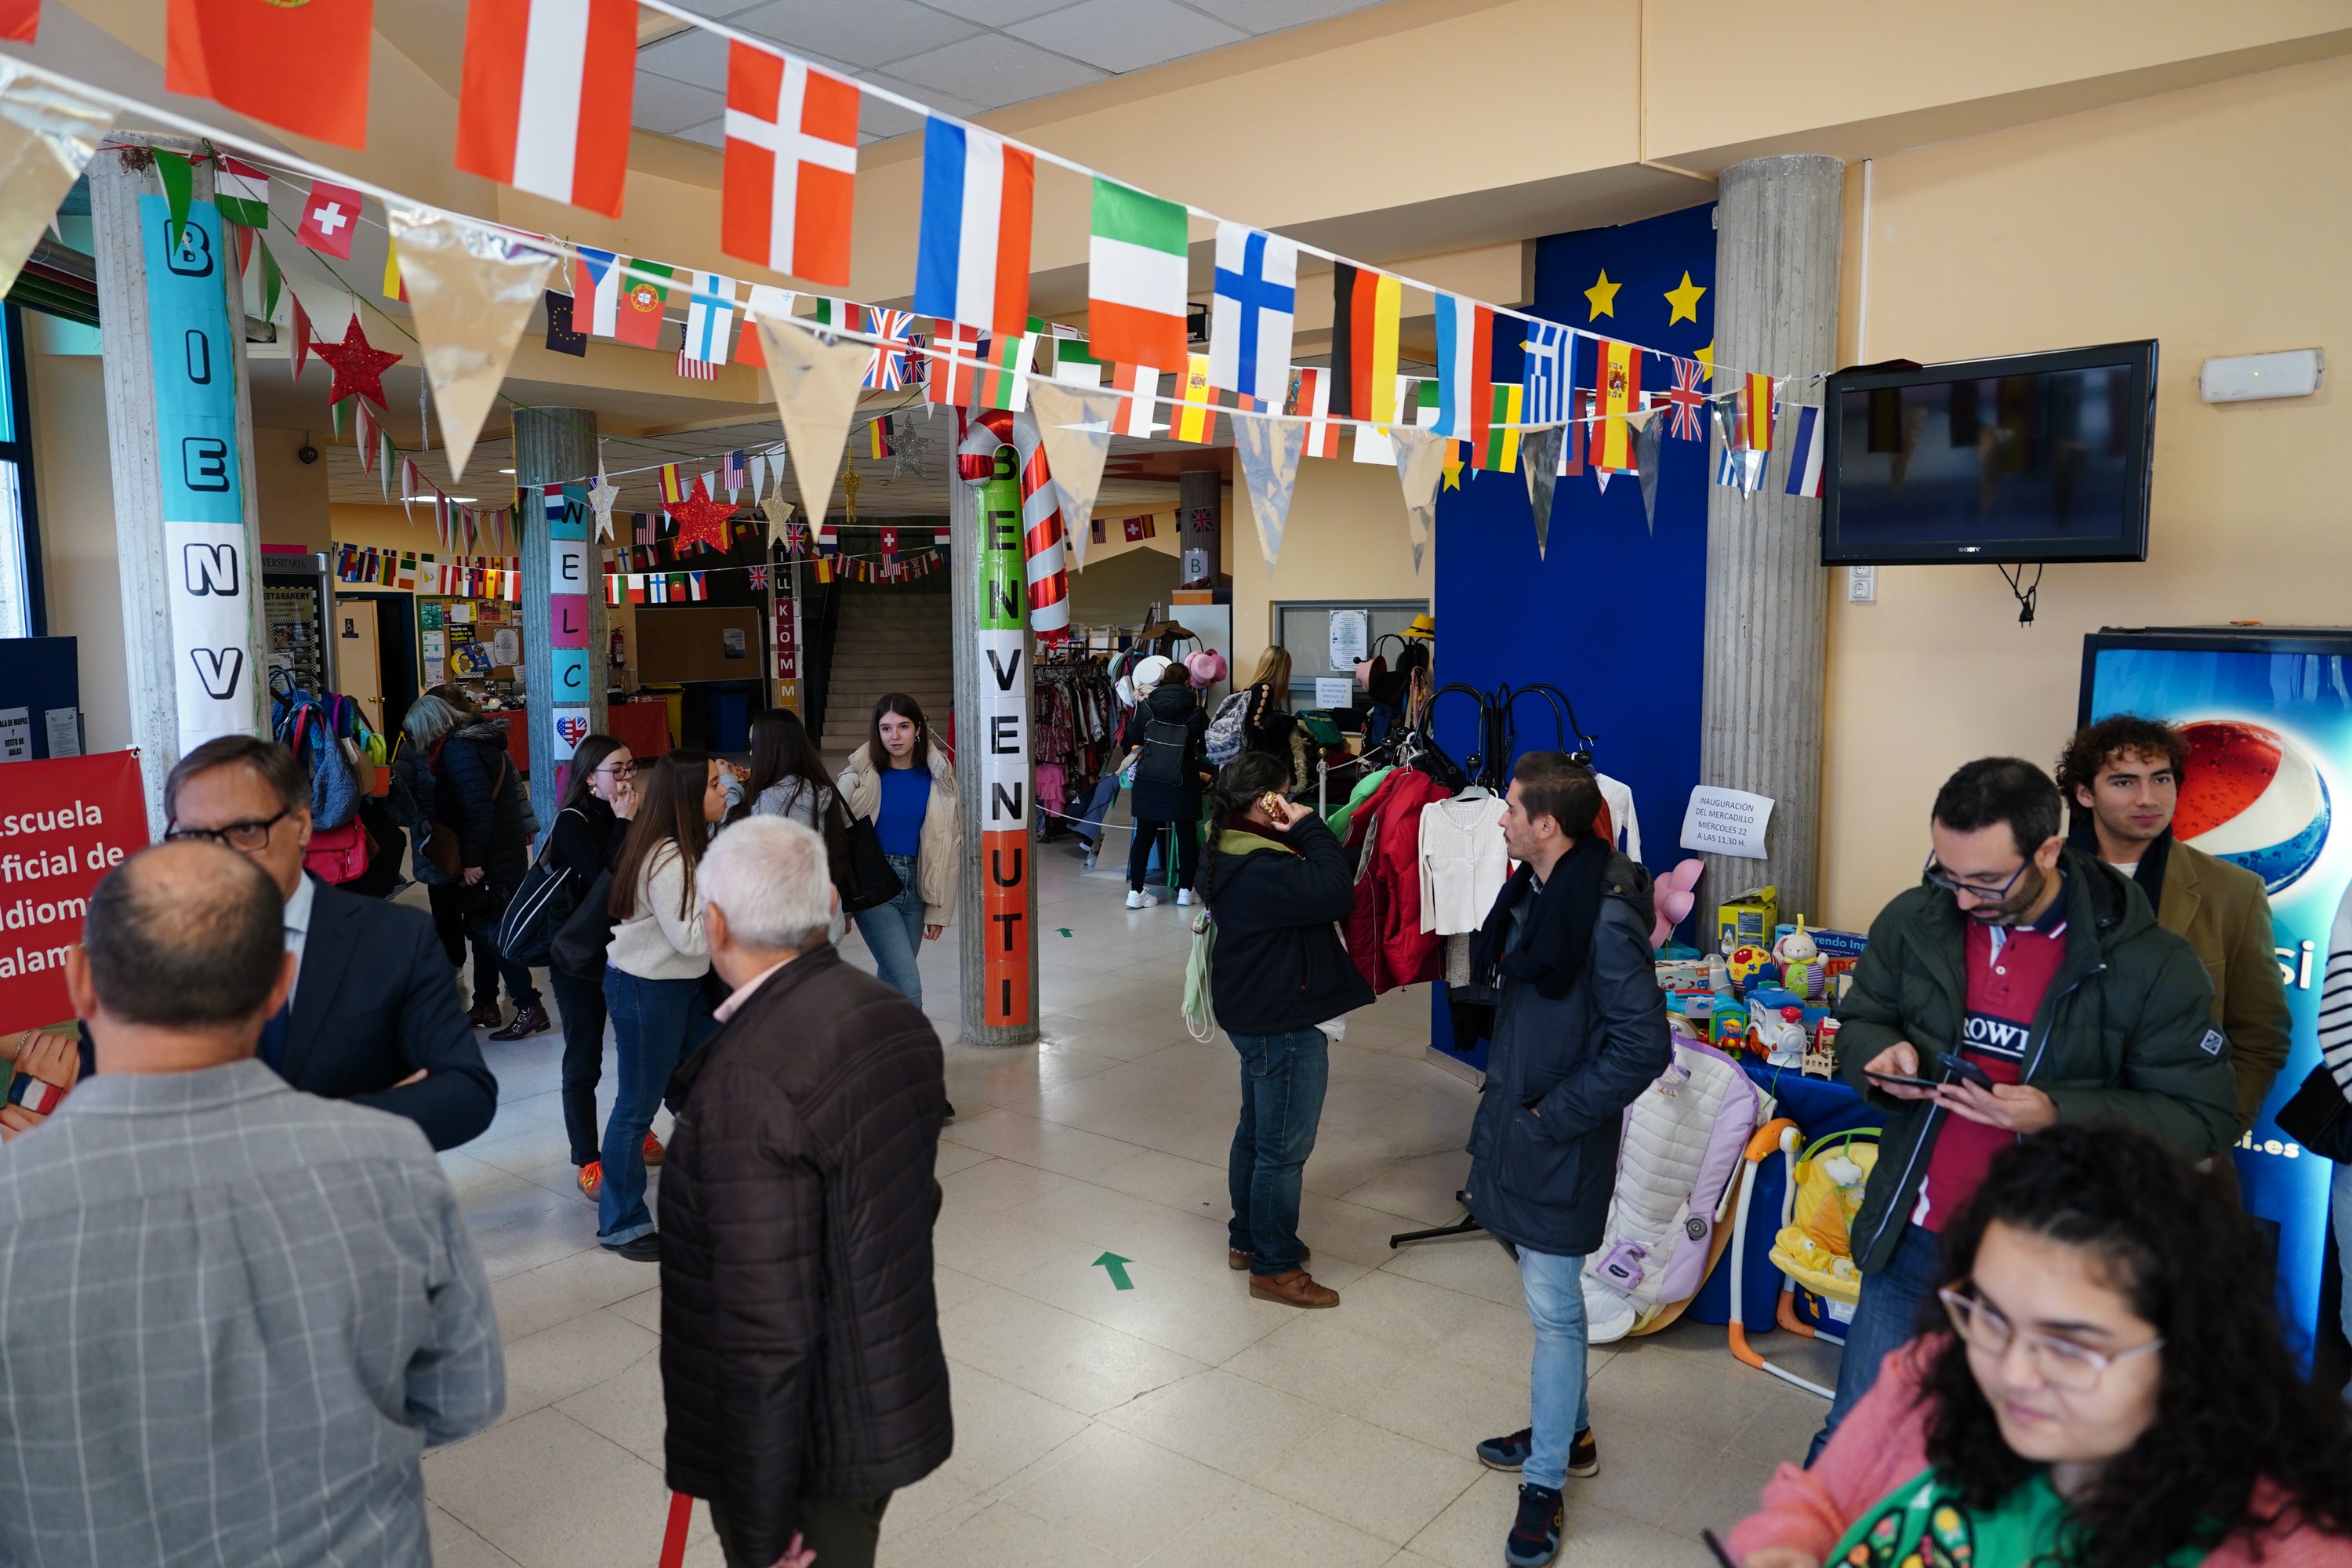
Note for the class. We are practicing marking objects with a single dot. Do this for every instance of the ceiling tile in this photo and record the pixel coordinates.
(869, 33)
(993, 70)
(1126, 35)
(1272, 15)
(696, 57)
(711, 133)
(945, 102)
(879, 118)
(995, 13)
(666, 105)
(721, 8)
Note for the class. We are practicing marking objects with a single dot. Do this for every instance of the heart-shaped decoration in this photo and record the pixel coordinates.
(574, 729)
(1674, 896)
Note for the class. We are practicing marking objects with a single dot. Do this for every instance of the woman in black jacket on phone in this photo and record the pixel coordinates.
(586, 840)
(1276, 883)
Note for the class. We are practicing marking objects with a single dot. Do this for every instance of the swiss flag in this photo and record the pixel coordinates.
(330, 214)
(19, 20)
(791, 165)
(303, 68)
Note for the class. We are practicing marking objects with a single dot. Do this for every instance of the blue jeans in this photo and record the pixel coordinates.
(656, 1023)
(894, 933)
(2340, 1216)
(1888, 1316)
(1283, 1078)
(1557, 1409)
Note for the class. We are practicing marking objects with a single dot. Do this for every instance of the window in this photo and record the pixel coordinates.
(1305, 630)
(21, 611)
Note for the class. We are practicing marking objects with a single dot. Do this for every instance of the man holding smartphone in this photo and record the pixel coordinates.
(2022, 982)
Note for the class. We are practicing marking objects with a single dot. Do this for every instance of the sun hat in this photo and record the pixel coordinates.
(1207, 666)
(1424, 626)
(1151, 673)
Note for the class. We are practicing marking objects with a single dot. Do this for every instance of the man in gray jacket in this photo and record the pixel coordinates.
(1579, 1032)
(233, 1315)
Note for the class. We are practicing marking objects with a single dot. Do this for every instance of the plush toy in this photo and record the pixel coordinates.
(1799, 960)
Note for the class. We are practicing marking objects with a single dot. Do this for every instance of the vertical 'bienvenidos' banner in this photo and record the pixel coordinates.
(1003, 738)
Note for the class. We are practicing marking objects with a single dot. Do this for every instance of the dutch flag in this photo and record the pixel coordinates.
(973, 257)
(1805, 457)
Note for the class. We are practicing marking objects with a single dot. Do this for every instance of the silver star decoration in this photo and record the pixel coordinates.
(601, 495)
(908, 459)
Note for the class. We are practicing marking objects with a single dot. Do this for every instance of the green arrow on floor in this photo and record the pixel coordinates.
(1115, 1266)
(1064, 930)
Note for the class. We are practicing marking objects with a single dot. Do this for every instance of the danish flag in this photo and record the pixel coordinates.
(791, 165)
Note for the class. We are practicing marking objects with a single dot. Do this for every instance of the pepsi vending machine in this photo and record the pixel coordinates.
(2267, 713)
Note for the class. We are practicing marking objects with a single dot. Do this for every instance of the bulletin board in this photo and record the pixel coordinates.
(693, 643)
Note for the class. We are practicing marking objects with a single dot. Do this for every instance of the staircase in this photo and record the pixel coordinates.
(889, 639)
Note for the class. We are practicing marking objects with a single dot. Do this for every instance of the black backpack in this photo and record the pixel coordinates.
(1167, 757)
(540, 907)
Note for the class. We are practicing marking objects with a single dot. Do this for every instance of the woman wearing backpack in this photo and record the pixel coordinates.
(1266, 723)
(477, 793)
(586, 841)
(1164, 737)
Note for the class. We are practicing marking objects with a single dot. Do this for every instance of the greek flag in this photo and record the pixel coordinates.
(1552, 361)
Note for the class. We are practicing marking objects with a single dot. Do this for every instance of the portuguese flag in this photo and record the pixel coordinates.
(643, 291)
(238, 53)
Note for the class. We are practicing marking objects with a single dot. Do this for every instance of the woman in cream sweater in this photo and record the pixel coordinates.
(653, 976)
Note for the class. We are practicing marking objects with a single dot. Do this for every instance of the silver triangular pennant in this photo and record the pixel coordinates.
(1645, 453)
(1269, 451)
(1539, 462)
(1421, 454)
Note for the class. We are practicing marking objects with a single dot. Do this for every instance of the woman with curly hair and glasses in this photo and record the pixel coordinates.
(2106, 1384)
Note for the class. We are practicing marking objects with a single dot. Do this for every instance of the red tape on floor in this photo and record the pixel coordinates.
(681, 1515)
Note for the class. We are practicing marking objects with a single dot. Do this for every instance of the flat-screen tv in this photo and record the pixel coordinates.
(2028, 458)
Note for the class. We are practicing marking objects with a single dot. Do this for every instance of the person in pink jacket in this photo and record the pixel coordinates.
(2113, 1391)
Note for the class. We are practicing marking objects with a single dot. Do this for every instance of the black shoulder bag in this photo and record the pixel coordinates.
(862, 873)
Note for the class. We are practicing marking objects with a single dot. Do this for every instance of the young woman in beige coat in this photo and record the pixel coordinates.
(908, 787)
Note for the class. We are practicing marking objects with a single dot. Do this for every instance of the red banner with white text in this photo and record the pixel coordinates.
(63, 823)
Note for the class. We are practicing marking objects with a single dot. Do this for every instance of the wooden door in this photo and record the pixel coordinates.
(358, 665)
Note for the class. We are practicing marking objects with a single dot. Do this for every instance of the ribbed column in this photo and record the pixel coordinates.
(1778, 234)
(554, 445)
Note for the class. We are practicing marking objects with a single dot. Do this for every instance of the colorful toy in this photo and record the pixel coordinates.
(1821, 1061)
(1674, 894)
(1746, 964)
(1781, 1036)
(1747, 918)
(1800, 961)
(1730, 1022)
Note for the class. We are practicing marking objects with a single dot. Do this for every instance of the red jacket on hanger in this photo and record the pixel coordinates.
(1384, 930)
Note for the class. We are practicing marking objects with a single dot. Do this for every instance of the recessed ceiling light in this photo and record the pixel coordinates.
(506, 470)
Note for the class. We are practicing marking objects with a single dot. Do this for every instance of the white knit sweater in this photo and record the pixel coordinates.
(656, 944)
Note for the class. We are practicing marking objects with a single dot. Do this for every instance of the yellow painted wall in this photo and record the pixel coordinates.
(80, 574)
(1345, 539)
(2216, 219)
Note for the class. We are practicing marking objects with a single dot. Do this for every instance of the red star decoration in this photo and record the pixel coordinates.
(359, 365)
(700, 520)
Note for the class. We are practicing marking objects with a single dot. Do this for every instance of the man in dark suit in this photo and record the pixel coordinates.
(374, 1017)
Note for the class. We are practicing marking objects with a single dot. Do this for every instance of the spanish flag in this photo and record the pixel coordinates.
(1755, 413)
(1196, 406)
(1618, 393)
(672, 489)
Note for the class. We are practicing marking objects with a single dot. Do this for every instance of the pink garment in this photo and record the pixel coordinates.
(1883, 1442)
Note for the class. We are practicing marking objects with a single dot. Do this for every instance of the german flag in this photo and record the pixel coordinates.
(1365, 311)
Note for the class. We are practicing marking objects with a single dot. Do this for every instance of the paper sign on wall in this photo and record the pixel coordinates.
(1350, 638)
(1727, 822)
(15, 734)
(1333, 693)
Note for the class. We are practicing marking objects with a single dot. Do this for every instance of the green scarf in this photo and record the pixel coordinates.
(1922, 1525)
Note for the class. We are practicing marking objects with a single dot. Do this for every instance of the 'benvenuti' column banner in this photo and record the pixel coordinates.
(1002, 737)
(66, 821)
(203, 491)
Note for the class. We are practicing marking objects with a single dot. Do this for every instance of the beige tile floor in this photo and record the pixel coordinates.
(1176, 1422)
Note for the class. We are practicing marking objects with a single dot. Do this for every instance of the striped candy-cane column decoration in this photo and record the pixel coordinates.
(1046, 544)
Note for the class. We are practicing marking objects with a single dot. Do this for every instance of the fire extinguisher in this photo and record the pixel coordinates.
(620, 654)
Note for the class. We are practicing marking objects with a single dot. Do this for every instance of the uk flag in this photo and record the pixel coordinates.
(893, 365)
(1685, 400)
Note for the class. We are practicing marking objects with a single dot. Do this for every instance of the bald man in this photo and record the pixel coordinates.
(234, 1315)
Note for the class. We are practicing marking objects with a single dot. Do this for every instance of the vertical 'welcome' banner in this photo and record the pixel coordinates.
(570, 666)
(203, 489)
(1003, 738)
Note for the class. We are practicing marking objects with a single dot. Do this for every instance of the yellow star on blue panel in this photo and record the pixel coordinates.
(1453, 465)
(1705, 356)
(1684, 301)
(1604, 297)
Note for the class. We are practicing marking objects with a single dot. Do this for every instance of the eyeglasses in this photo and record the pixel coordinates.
(618, 770)
(244, 836)
(1942, 878)
(2065, 1365)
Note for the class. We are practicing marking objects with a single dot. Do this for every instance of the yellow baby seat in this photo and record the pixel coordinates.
(1812, 1248)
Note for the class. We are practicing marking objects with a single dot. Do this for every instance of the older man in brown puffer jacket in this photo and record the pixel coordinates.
(800, 1361)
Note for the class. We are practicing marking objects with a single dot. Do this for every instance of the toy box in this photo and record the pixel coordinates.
(1748, 918)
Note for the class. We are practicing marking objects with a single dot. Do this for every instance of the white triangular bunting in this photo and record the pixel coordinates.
(816, 382)
(1074, 424)
(471, 292)
(1269, 450)
(1421, 466)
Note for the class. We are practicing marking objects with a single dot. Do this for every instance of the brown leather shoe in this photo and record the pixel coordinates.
(1237, 1258)
(1295, 1288)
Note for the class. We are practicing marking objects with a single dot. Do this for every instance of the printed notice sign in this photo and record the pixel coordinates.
(1332, 692)
(66, 822)
(1350, 634)
(1727, 822)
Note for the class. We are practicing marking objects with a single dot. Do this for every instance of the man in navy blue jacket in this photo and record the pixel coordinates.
(1580, 1032)
(374, 1016)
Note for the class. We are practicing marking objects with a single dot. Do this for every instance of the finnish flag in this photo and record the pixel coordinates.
(1250, 316)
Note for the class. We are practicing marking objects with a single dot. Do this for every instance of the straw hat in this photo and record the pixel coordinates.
(1424, 626)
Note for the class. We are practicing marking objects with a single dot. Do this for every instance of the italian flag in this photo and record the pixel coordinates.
(241, 191)
(1136, 276)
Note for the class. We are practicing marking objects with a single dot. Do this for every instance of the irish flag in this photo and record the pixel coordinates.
(972, 261)
(545, 102)
(303, 68)
(1135, 278)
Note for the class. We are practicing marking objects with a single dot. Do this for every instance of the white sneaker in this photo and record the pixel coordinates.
(1137, 898)
(1183, 898)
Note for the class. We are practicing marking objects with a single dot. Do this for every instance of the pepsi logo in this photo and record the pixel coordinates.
(2252, 797)
(572, 729)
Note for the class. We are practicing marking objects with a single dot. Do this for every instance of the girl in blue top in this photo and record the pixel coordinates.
(906, 786)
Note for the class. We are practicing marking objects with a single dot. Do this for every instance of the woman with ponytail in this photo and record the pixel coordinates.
(1276, 883)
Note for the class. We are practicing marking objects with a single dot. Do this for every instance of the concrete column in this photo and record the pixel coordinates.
(979, 933)
(1199, 503)
(1778, 234)
(556, 446)
(187, 522)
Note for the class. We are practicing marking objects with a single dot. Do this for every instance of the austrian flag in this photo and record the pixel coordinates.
(546, 100)
(791, 165)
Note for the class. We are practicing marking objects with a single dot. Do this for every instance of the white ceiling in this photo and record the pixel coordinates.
(966, 57)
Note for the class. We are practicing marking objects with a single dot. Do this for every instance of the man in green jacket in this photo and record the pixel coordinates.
(2029, 984)
(2121, 777)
